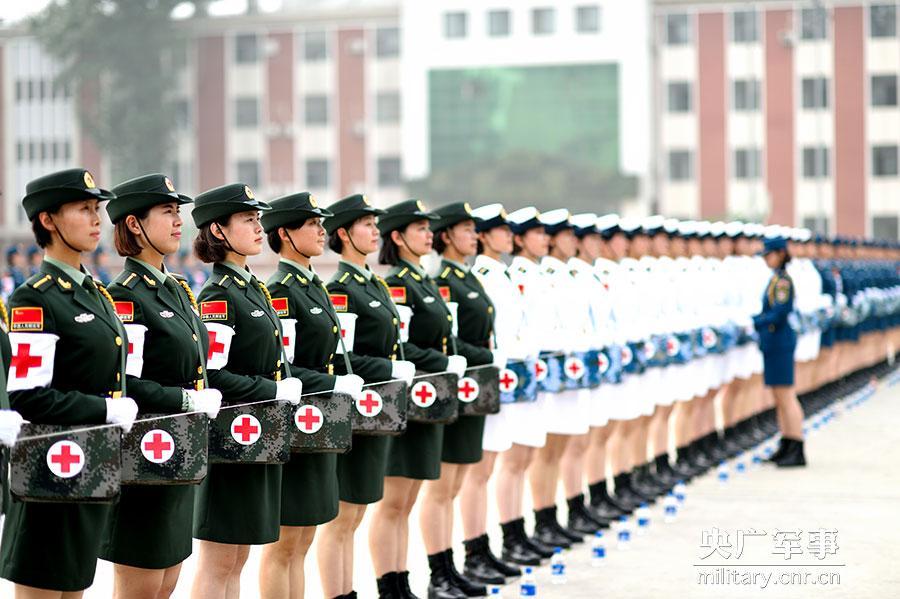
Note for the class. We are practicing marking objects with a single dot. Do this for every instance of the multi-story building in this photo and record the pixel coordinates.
(785, 111)
(306, 98)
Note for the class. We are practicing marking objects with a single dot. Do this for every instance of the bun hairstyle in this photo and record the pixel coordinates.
(209, 248)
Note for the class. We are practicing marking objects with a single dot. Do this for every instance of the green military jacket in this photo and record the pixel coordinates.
(53, 319)
(377, 334)
(167, 340)
(431, 324)
(310, 326)
(475, 312)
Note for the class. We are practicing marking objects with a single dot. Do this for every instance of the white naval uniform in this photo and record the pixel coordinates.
(600, 323)
(509, 324)
(663, 275)
(611, 276)
(527, 420)
(637, 388)
(569, 316)
(808, 287)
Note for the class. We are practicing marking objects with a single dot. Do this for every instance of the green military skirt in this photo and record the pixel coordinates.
(309, 489)
(52, 545)
(150, 526)
(361, 470)
(416, 453)
(462, 440)
(239, 504)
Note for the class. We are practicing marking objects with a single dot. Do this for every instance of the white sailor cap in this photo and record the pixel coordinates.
(687, 228)
(629, 225)
(608, 225)
(584, 223)
(734, 229)
(491, 215)
(771, 231)
(703, 228)
(523, 219)
(555, 220)
(717, 229)
(652, 225)
(670, 226)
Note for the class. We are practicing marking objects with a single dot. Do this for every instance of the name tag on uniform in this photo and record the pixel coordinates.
(257, 313)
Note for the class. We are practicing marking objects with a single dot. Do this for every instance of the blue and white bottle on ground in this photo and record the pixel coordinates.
(740, 465)
(680, 491)
(722, 472)
(623, 535)
(557, 567)
(494, 591)
(598, 550)
(643, 519)
(670, 508)
(528, 585)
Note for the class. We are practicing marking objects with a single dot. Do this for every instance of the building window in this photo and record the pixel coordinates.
(20, 151)
(884, 90)
(886, 227)
(20, 90)
(679, 96)
(316, 173)
(315, 46)
(746, 95)
(246, 48)
(815, 92)
(248, 172)
(387, 42)
(67, 150)
(816, 224)
(315, 109)
(543, 21)
(813, 24)
(387, 107)
(587, 19)
(884, 161)
(389, 172)
(182, 110)
(246, 112)
(681, 165)
(498, 23)
(747, 163)
(455, 24)
(815, 162)
(883, 20)
(678, 30)
(744, 26)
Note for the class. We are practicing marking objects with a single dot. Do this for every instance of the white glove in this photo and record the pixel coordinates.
(456, 365)
(349, 384)
(499, 358)
(122, 412)
(207, 400)
(289, 389)
(403, 370)
(10, 425)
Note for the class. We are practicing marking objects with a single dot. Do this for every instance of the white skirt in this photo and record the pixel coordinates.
(600, 405)
(568, 412)
(497, 431)
(526, 422)
(669, 379)
(618, 398)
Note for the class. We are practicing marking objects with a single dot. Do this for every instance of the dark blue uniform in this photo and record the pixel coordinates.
(777, 339)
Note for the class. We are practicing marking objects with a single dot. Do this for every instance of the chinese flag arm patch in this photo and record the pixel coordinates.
(27, 319)
(445, 293)
(398, 294)
(339, 301)
(32, 360)
(280, 304)
(125, 311)
(217, 310)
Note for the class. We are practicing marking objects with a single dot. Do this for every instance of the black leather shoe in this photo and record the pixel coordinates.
(602, 505)
(468, 587)
(403, 586)
(480, 561)
(580, 520)
(605, 511)
(516, 548)
(388, 587)
(793, 455)
(778, 452)
(442, 585)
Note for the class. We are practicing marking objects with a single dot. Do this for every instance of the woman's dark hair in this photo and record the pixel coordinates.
(438, 244)
(334, 242)
(517, 249)
(389, 253)
(274, 239)
(126, 242)
(42, 236)
(479, 247)
(786, 258)
(208, 247)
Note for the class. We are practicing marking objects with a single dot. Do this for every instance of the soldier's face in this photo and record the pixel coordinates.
(535, 242)
(309, 238)
(660, 244)
(163, 227)
(463, 237)
(364, 234)
(499, 239)
(677, 247)
(78, 222)
(618, 245)
(244, 232)
(590, 246)
(418, 237)
(565, 243)
(773, 259)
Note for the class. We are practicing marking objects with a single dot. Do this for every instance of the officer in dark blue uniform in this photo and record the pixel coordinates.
(777, 341)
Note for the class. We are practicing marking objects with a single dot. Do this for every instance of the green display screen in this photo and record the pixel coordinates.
(569, 112)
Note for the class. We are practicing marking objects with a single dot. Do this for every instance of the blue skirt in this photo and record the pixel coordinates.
(778, 368)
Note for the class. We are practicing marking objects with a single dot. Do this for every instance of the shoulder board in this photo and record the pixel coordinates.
(359, 279)
(150, 281)
(130, 281)
(280, 304)
(344, 277)
(301, 280)
(573, 272)
(522, 269)
(550, 270)
(445, 293)
(459, 273)
(27, 319)
(444, 273)
(224, 282)
(339, 301)
(415, 276)
(39, 282)
(484, 270)
(287, 280)
(398, 294)
(402, 272)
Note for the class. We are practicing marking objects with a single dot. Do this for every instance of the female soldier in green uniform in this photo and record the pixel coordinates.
(10, 420)
(237, 505)
(455, 240)
(416, 455)
(309, 485)
(149, 533)
(63, 317)
(357, 290)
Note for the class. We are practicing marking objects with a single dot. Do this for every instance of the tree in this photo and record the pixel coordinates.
(119, 55)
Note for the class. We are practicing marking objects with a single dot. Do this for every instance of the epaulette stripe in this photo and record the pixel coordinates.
(128, 279)
(445, 272)
(286, 278)
(223, 279)
(41, 281)
(344, 277)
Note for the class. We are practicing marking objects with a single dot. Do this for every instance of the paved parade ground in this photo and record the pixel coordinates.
(832, 524)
